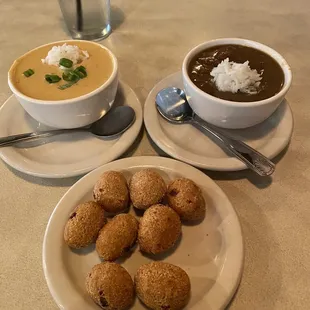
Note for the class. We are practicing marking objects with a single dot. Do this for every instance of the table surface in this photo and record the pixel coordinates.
(150, 39)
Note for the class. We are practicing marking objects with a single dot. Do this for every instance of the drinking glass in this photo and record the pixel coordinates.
(87, 19)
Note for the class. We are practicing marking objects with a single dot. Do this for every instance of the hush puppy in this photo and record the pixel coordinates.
(146, 188)
(159, 229)
(111, 192)
(186, 199)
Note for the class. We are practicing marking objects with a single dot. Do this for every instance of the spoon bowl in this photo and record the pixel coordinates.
(114, 123)
(171, 103)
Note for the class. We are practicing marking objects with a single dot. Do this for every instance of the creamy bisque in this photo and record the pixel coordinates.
(99, 67)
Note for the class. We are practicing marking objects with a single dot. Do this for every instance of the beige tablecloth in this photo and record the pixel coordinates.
(150, 39)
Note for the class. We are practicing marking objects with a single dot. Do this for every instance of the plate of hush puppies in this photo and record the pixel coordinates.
(143, 233)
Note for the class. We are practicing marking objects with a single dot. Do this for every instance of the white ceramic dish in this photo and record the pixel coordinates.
(210, 252)
(76, 112)
(188, 144)
(229, 114)
(63, 155)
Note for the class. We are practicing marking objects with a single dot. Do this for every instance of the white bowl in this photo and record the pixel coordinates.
(231, 114)
(76, 112)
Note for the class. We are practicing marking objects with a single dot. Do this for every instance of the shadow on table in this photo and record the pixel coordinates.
(258, 181)
(58, 182)
(117, 17)
(135, 145)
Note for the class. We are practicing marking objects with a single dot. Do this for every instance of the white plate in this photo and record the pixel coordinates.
(210, 252)
(188, 144)
(68, 154)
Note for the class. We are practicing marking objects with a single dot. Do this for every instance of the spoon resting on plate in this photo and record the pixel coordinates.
(111, 125)
(172, 105)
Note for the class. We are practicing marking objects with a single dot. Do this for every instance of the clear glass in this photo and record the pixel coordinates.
(87, 19)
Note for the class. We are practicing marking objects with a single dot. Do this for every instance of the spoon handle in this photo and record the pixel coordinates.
(253, 159)
(9, 140)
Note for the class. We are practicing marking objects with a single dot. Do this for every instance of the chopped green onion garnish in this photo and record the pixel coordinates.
(81, 69)
(28, 73)
(80, 74)
(70, 76)
(73, 76)
(64, 86)
(52, 78)
(65, 62)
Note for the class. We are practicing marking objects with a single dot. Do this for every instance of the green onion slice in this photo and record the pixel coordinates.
(28, 73)
(65, 86)
(65, 62)
(73, 76)
(52, 78)
(70, 76)
(82, 70)
(80, 74)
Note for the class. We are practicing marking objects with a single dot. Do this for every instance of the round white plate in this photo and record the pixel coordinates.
(68, 154)
(190, 145)
(210, 252)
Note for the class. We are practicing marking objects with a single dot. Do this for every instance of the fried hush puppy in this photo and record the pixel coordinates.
(111, 192)
(110, 286)
(146, 188)
(117, 237)
(186, 199)
(159, 229)
(162, 286)
(84, 224)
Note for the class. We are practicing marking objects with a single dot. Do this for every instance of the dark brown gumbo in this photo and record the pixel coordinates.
(268, 78)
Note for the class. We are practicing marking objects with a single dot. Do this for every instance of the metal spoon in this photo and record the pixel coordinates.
(172, 105)
(111, 125)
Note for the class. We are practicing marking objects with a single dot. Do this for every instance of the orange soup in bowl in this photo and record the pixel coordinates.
(64, 71)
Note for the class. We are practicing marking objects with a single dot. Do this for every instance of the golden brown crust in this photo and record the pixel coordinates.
(162, 286)
(185, 198)
(159, 229)
(110, 286)
(146, 188)
(111, 192)
(117, 237)
(84, 224)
